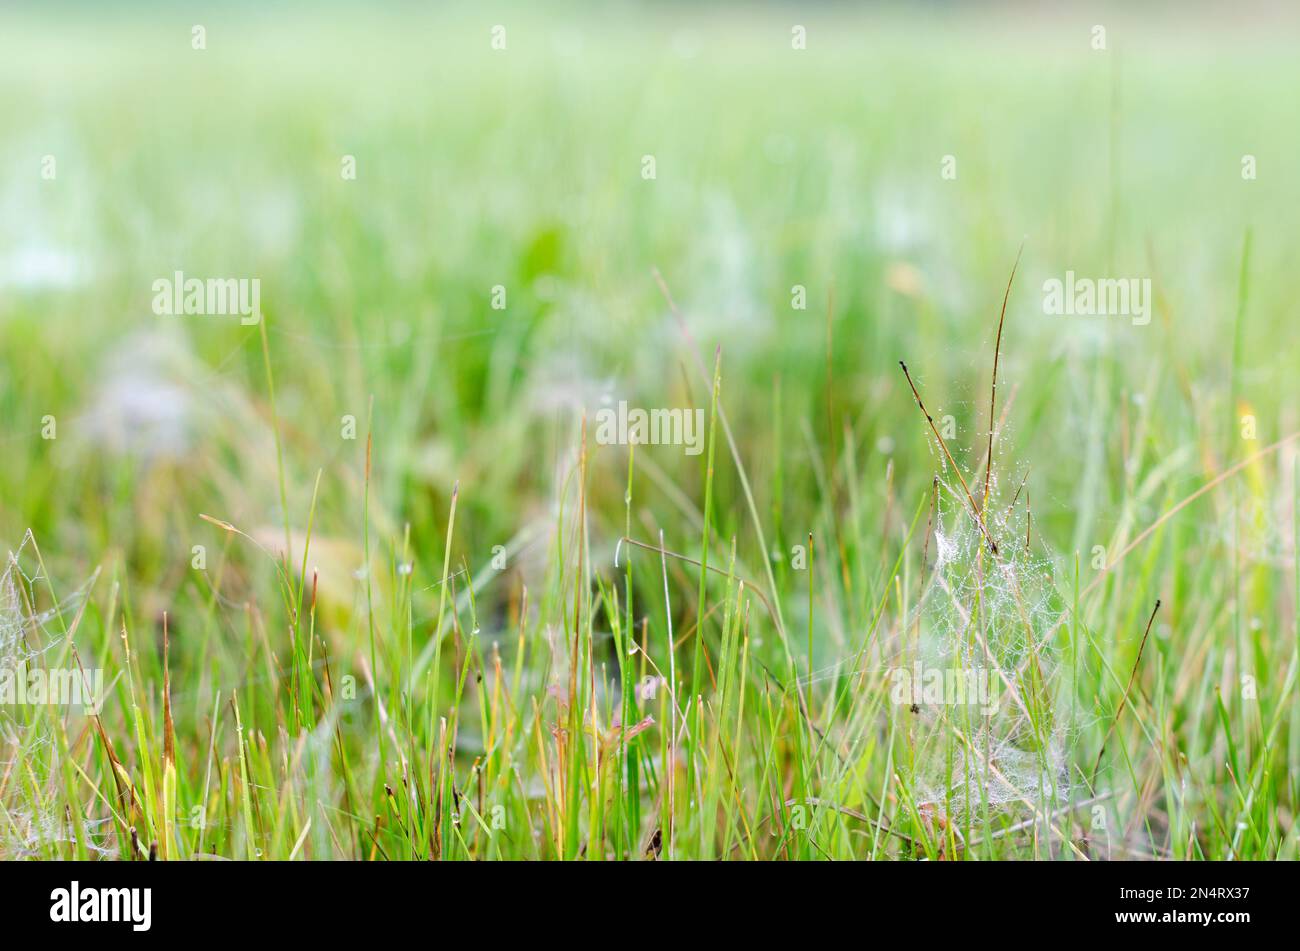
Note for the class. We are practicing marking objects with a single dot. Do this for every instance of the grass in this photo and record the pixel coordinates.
(363, 583)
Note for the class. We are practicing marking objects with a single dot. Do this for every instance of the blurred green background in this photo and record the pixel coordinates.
(522, 167)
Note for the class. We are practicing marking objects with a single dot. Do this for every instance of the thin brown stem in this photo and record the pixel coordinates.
(1124, 699)
(993, 392)
(979, 519)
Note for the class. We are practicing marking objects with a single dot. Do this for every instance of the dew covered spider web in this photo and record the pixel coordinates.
(15, 650)
(988, 617)
(27, 637)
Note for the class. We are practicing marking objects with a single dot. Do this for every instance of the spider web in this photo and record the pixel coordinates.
(990, 613)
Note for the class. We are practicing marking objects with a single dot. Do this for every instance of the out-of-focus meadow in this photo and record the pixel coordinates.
(466, 661)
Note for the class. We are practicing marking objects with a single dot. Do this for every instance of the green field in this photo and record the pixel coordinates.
(365, 578)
